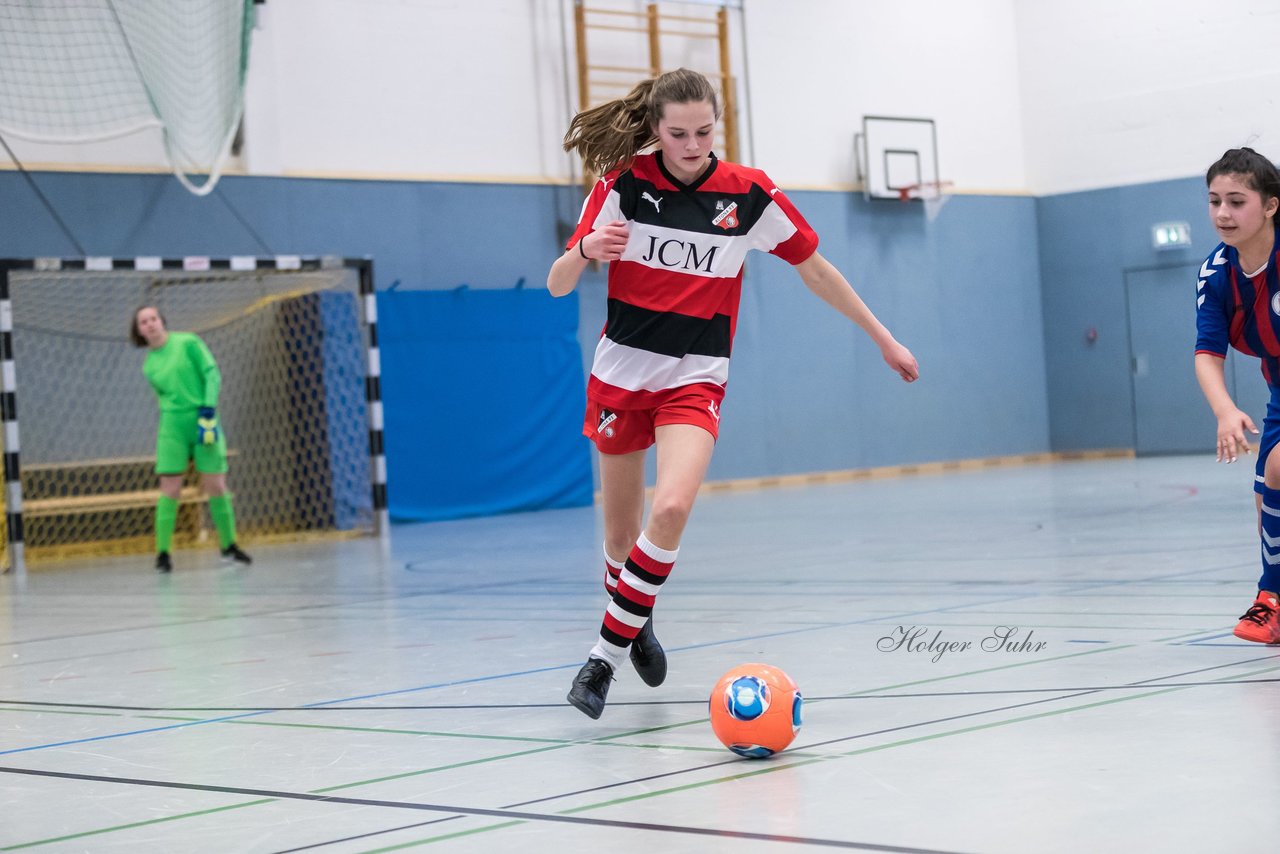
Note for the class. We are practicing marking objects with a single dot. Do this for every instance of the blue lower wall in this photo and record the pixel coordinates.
(807, 390)
(1087, 242)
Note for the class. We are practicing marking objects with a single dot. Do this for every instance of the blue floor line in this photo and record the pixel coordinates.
(474, 680)
(708, 645)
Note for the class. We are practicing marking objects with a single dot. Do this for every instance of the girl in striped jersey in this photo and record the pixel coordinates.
(1238, 305)
(675, 225)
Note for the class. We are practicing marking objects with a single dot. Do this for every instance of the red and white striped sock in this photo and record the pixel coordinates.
(612, 569)
(646, 569)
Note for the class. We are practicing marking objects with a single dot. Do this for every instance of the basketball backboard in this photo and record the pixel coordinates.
(894, 153)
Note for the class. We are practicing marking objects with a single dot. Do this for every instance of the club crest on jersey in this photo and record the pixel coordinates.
(726, 219)
(606, 419)
(1275, 304)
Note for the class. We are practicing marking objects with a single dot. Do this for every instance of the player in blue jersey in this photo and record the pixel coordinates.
(1238, 305)
(675, 225)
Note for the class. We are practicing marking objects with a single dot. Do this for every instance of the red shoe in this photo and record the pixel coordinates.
(1261, 623)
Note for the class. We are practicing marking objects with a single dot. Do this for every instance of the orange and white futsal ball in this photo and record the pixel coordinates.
(756, 710)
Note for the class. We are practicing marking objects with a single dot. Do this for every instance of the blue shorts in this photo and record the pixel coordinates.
(1270, 436)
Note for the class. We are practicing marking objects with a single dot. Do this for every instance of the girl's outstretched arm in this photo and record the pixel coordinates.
(821, 277)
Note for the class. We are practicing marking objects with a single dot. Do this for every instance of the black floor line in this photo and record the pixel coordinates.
(1066, 689)
(512, 815)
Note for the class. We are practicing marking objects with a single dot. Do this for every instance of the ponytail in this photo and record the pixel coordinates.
(613, 133)
(610, 135)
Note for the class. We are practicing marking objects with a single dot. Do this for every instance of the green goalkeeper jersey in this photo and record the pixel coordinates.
(183, 373)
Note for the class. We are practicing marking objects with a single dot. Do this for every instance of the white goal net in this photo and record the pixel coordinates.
(293, 351)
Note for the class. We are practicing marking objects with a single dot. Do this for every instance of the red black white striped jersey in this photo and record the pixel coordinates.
(673, 296)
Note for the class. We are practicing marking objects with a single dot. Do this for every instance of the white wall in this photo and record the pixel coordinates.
(478, 88)
(1029, 96)
(452, 89)
(407, 87)
(1128, 91)
(818, 66)
(435, 88)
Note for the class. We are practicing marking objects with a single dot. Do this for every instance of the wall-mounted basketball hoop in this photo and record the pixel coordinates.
(934, 194)
(897, 158)
(929, 191)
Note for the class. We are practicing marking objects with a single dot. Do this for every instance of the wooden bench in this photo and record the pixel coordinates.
(83, 502)
(104, 502)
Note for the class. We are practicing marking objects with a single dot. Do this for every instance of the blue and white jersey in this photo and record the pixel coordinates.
(1237, 310)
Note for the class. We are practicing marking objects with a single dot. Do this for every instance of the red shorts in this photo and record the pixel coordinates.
(623, 431)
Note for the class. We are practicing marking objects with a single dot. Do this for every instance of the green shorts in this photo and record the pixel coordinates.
(176, 446)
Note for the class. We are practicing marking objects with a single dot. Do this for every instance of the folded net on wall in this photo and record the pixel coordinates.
(75, 71)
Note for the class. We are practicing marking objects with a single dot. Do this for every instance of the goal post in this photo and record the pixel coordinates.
(295, 339)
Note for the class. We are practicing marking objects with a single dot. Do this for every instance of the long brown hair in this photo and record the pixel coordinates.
(610, 135)
(134, 335)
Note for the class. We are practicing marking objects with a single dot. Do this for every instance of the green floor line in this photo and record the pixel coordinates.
(648, 730)
(1246, 675)
(1216, 615)
(436, 769)
(998, 667)
(146, 823)
(63, 712)
(197, 813)
(933, 625)
(392, 731)
(906, 742)
(900, 743)
(1162, 595)
(560, 742)
(444, 837)
(1186, 635)
(773, 768)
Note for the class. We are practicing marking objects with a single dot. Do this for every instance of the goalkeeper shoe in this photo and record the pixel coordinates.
(1261, 623)
(232, 554)
(163, 563)
(207, 430)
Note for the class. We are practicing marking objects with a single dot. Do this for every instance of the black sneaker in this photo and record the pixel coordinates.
(590, 687)
(647, 656)
(232, 554)
(163, 563)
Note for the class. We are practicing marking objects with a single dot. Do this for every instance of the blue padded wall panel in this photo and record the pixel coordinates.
(484, 397)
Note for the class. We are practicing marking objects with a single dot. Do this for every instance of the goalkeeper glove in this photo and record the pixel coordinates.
(207, 430)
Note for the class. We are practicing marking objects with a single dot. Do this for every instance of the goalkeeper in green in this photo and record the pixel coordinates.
(186, 381)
